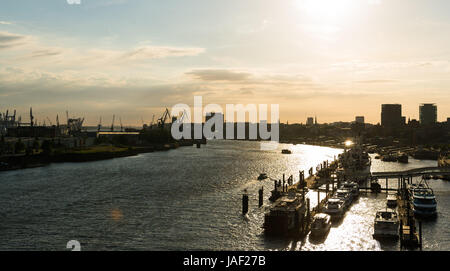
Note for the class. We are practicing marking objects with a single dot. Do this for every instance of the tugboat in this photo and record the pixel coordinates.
(335, 208)
(286, 151)
(321, 225)
(286, 216)
(386, 224)
(423, 201)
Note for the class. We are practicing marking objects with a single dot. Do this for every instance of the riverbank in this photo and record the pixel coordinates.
(81, 155)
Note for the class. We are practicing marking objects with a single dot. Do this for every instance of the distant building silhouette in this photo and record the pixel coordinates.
(391, 115)
(428, 113)
(359, 119)
(310, 121)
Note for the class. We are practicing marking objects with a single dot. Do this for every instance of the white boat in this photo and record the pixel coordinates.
(334, 207)
(353, 187)
(423, 202)
(386, 224)
(321, 225)
(345, 196)
(391, 201)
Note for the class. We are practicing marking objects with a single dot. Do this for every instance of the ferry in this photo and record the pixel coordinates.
(334, 207)
(423, 202)
(386, 224)
(286, 215)
(321, 225)
(286, 151)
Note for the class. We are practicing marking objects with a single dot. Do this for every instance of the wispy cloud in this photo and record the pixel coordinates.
(219, 75)
(10, 40)
(5, 23)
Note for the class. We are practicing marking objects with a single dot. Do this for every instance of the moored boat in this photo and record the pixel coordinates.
(334, 207)
(321, 225)
(391, 201)
(423, 202)
(386, 224)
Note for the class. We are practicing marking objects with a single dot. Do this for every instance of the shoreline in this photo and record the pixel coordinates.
(19, 162)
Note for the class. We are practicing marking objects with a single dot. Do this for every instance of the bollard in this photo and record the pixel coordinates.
(420, 234)
(244, 203)
(261, 198)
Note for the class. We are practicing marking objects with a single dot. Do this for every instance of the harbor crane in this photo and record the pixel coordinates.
(31, 117)
(49, 121)
(162, 120)
(112, 125)
(99, 127)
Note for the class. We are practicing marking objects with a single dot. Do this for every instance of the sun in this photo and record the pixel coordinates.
(326, 10)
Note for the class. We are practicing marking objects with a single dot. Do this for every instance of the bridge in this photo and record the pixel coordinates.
(412, 172)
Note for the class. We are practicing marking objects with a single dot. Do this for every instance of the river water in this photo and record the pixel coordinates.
(183, 199)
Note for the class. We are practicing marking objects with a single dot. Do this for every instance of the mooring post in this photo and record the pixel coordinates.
(245, 203)
(387, 185)
(261, 194)
(420, 234)
(318, 199)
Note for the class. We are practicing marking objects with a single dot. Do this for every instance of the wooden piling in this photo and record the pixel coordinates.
(261, 197)
(244, 203)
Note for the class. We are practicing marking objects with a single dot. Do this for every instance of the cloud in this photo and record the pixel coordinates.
(153, 52)
(381, 81)
(5, 23)
(219, 75)
(46, 52)
(9, 40)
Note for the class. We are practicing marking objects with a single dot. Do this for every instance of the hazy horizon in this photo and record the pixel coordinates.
(325, 58)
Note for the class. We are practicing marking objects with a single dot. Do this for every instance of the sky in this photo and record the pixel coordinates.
(334, 59)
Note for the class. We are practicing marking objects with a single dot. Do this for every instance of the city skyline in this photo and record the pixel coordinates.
(334, 60)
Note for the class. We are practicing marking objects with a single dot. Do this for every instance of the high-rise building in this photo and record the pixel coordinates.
(391, 115)
(310, 121)
(428, 113)
(360, 119)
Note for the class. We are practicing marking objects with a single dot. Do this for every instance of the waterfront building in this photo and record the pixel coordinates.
(391, 115)
(359, 119)
(428, 114)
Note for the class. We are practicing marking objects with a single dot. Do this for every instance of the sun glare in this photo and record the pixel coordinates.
(327, 9)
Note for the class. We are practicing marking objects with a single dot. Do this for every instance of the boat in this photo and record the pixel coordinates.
(262, 176)
(423, 202)
(375, 186)
(391, 201)
(334, 207)
(353, 187)
(386, 224)
(321, 225)
(345, 196)
(403, 158)
(286, 216)
(286, 151)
